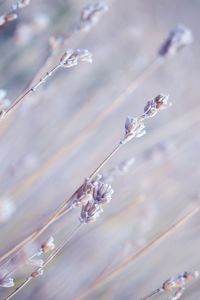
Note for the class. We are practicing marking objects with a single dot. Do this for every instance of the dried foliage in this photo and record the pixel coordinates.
(133, 213)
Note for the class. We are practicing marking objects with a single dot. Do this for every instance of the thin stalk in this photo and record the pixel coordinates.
(17, 290)
(49, 259)
(106, 160)
(33, 88)
(157, 291)
(63, 244)
(130, 259)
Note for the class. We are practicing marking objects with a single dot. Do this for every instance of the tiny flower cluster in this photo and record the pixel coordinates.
(72, 57)
(134, 126)
(91, 14)
(178, 38)
(177, 283)
(91, 196)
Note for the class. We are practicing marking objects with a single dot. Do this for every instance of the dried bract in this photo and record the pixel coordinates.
(48, 245)
(91, 14)
(71, 57)
(102, 193)
(178, 38)
(90, 212)
(84, 194)
(134, 127)
(155, 105)
(38, 272)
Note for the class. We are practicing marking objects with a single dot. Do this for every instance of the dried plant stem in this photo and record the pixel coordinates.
(157, 291)
(106, 160)
(17, 290)
(130, 259)
(49, 259)
(33, 88)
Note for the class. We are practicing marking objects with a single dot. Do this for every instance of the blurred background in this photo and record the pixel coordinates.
(46, 152)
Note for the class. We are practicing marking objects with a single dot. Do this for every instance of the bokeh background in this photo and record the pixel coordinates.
(41, 165)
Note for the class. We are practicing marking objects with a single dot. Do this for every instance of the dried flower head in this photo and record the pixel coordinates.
(177, 283)
(71, 57)
(91, 14)
(84, 194)
(102, 192)
(178, 38)
(155, 105)
(191, 275)
(48, 245)
(134, 127)
(90, 212)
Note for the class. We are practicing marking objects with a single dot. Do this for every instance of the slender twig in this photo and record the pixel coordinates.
(115, 150)
(130, 259)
